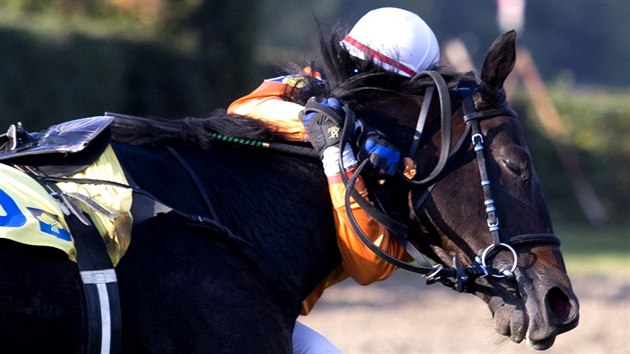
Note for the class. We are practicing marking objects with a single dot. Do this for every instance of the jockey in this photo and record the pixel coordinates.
(398, 41)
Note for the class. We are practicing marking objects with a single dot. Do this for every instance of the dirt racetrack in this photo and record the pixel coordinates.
(403, 315)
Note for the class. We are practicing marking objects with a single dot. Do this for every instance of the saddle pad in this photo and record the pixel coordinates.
(29, 215)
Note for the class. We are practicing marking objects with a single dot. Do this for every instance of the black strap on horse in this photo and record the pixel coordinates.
(100, 285)
(202, 190)
(472, 118)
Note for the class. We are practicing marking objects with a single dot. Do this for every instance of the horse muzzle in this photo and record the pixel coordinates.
(535, 311)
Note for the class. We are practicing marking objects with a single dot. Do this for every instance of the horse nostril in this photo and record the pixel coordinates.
(560, 305)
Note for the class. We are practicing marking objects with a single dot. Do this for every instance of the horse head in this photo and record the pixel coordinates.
(476, 204)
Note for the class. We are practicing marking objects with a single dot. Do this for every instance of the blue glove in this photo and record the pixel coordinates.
(323, 121)
(384, 158)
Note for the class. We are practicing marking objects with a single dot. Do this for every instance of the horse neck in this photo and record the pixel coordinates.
(277, 203)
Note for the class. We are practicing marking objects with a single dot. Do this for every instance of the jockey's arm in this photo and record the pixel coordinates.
(359, 262)
(266, 103)
(363, 265)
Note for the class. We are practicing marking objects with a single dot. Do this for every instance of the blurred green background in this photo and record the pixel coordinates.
(65, 59)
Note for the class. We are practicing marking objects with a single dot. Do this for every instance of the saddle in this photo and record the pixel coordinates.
(46, 214)
(61, 150)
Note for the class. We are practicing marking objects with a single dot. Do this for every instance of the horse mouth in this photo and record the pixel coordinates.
(517, 329)
(515, 324)
(538, 343)
(545, 342)
(541, 344)
(523, 330)
(511, 320)
(561, 315)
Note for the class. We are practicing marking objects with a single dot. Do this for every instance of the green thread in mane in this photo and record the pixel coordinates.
(242, 141)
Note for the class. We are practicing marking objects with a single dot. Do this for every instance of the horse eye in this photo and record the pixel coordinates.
(518, 168)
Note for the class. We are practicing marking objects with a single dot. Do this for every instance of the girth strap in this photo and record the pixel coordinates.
(100, 286)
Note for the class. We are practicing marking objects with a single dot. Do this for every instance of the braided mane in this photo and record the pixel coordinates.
(189, 130)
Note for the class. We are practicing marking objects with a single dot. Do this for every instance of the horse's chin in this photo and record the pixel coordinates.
(513, 321)
(541, 344)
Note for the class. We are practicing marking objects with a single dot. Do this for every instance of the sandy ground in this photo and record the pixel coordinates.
(403, 315)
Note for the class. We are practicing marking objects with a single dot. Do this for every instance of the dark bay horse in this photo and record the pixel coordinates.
(195, 288)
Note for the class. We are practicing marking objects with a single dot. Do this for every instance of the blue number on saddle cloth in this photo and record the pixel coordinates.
(12, 217)
(29, 215)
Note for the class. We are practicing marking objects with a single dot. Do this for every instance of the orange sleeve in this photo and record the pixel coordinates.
(266, 103)
(363, 265)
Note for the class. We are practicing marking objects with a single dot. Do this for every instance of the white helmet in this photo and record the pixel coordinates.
(395, 39)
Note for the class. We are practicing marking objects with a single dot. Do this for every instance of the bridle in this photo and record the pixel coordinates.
(457, 277)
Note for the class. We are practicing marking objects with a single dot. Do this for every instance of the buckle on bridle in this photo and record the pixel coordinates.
(477, 139)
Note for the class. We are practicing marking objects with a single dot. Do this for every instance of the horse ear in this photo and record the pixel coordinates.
(500, 60)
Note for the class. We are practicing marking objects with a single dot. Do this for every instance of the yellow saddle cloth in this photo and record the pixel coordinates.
(29, 215)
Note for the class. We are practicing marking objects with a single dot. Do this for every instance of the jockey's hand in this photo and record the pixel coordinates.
(323, 121)
(384, 158)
